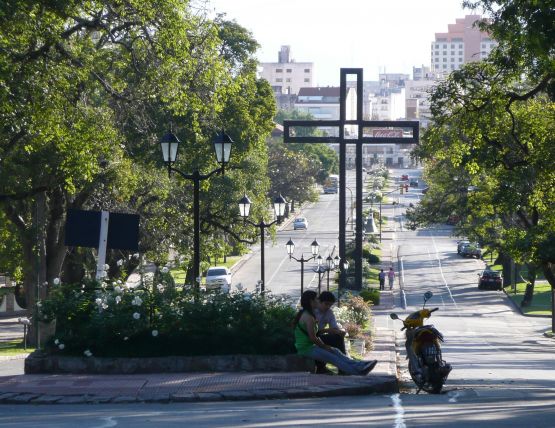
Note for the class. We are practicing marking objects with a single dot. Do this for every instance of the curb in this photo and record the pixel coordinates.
(381, 385)
(519, 309)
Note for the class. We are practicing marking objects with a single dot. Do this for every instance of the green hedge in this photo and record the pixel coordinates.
(370, 295)
(165, 320)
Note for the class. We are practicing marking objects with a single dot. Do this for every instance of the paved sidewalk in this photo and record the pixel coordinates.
(188, 387)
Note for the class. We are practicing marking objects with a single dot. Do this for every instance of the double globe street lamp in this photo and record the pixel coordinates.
(315, 248)
(222, 147)
(279, 211)
(321, 269)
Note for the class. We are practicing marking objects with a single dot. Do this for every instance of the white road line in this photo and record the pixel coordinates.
(441, 270)
(109, 422)
(399, 411)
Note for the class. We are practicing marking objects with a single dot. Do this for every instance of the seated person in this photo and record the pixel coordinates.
(310, 345)
(328, 330)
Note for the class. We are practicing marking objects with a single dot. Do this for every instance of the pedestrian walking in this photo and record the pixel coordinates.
(381, 277)
(391, 276)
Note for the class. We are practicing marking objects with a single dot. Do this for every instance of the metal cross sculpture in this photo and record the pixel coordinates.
(360, 139)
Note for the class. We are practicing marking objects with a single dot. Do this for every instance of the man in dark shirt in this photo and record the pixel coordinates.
(328, 330)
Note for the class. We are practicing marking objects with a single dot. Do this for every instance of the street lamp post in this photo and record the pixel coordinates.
(320, 270)
(222, 147)
(279, 211)
(344, 267)
(315, 247)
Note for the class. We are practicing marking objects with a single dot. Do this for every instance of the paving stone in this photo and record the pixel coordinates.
(21, 398)
(124, 399)
(183, 397)
(7, 395)
(99, 399)
(47, 399)
(209, 396)
(240, 395)
(155, 398)
(73, 399)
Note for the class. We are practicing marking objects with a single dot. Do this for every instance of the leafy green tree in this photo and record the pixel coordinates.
(86, 91)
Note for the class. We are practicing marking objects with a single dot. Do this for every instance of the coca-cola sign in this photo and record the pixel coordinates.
(387, 133)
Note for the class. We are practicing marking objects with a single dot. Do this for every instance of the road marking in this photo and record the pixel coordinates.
(441, 269)
(110, 422)
(399, 411)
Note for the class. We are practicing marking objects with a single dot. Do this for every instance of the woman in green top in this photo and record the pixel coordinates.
(310, 345)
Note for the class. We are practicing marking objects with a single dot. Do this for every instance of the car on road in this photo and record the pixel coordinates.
(490, 279)
(461, 243)
(300, 223)
(405, 177)
(218, 277)
(413, 182)
(471, 249)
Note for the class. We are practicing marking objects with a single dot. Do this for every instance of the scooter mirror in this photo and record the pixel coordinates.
(428, 295)
(393, 316)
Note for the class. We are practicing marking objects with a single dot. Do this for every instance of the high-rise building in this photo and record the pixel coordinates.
(463, 43)
(287, 76)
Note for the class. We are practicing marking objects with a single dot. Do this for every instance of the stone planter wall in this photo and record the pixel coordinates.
(39, 362)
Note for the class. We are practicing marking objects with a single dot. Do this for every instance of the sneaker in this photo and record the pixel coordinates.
(368, 367)
(324, 371)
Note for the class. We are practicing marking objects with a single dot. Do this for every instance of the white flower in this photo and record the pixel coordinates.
(137, 301)
(165, 269)
(136, 255)
(118, 299)
(104, 306)
(118, 289)
(56, 342)
(160, 288)
(45, 283)
(118, 281)
(136, 315)
(87, 353)
(159, 316)
(120, 262)
(98, 301)
(39, 304)
(61, 346)
(106, 266)
(125, 338)
(56, 281)
(154, 333)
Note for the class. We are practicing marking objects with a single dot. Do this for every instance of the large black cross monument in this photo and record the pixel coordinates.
(409, 135)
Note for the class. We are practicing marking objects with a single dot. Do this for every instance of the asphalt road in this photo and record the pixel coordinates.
(503, 367)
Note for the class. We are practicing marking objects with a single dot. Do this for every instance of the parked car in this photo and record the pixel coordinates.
(460, 244)
(413, 182)
(471, 250)
(218, 277)
(490, 279)
(300, 223)
(425, 190)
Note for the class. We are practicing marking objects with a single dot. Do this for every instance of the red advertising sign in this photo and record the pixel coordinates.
(387, 133)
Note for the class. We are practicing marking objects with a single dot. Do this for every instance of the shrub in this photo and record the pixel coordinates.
(370, 295)
(352, 329)
(373, 259)
(163, 320)
(353, 310)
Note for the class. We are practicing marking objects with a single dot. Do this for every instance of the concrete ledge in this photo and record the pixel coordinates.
(39, 362)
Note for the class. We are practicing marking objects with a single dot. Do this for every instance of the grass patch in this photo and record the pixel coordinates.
(13, 347)
(541, 303)
(372, 277)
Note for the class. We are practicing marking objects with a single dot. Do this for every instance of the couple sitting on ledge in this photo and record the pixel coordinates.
(325, 345)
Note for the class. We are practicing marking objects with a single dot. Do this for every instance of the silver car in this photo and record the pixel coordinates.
(300, 223)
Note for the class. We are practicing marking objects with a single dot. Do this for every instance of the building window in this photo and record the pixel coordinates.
(307, 80)
(452, 52)
(452, 67)
(483, 45)
(437, 60)
(279, 79)
(460, 60)
(307, 70)
(444, 46)
(444, 52)
(444, 66)
(279, 70)
(452, 59)
(288, 79)
(288, 70)
(460, 53)
(460, 46)
(444, 59)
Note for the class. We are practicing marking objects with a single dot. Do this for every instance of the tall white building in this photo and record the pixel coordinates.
(462, 43)
(287, 76)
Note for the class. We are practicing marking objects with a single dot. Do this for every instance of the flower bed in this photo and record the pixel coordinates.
(160, 319)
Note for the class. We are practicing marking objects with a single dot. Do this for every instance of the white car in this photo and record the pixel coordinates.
(300, 223)
(218, 277)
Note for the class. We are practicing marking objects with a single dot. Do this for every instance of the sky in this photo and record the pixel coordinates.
(377, 35)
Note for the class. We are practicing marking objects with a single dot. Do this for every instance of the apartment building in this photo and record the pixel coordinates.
(286, 76)
(462, 43)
